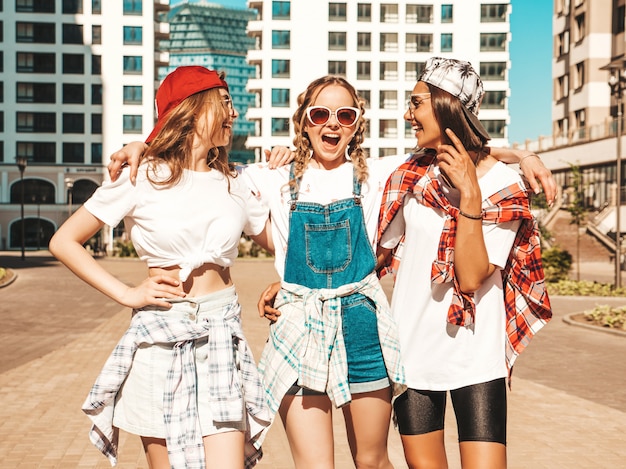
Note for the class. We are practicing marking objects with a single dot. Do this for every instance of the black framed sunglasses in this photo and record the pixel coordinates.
(320, 115)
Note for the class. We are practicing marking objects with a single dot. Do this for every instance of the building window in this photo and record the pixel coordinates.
(388, 42)
(579, 28)
(363, 71)
(35, 92)
(280, 127)
(413, 70)
(96, 64)
(389, 13)
(493, 13)
(388, 99)
(281, 10)
(133, 95)
(364, 41)
(96, 153)
(132, 124)
(40, 33)
(281, 40)
(562, 87)
(493, 71)
(364, 12)
(38, 152)
(337, 67)
(96, 94)
(447, 13)
(34, 6)
(72, 7)
(494, 100)
(579, 76)
(281, 68)
(133, 7)
(388, 71)
(74, 63)
(446, 42)
(32, 62)
(419, 42)
(336, 11)
(280, 97)
(336, 40)
(387, 128)
(73, 93)
(96, 34)
(73, 152)
(382, 152)
(133, 64)
(620, 19)
(419, 14)
(72, 33)
(96, 7)
(133, 35)
(73, 123)
(562, 43)
(366, 95)
(495, 128)
(96, 124)
(492, 42)
(43, 122)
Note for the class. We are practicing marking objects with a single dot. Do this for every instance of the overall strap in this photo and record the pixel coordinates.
(356, 186)
(293, 188)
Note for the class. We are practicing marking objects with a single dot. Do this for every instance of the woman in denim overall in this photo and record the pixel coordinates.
(334, 342)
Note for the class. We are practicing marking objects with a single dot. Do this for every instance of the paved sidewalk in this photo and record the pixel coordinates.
(567, 408)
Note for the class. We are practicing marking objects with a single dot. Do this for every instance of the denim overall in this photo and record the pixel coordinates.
(328, 247)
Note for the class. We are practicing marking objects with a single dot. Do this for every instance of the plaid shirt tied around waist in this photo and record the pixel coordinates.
(229, 386)
(526, 299)
(307, 346)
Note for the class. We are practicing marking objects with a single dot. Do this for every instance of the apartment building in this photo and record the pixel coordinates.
(213, 36)
(77, 82)
(381, 48)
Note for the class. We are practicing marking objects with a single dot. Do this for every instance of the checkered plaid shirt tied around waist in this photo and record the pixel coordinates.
(526, 299)
(307, 346)
(228, 387)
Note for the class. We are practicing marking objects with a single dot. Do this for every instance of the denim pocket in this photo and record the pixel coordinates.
(328, 246)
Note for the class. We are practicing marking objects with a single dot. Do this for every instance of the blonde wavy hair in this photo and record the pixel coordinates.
(303, 144)
(174, 143)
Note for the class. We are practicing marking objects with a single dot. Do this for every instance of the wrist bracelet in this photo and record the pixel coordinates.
(526, 156)
(470, 216)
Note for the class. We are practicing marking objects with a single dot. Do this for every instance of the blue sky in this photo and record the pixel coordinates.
(530, 103)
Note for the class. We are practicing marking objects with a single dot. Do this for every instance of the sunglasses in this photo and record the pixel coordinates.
(416, 99)
(320, 115)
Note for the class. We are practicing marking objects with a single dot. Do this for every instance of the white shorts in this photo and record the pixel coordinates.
(139, 404)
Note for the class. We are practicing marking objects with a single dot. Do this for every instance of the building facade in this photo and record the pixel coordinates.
(215, 37)
(381, 48)
(77, 82)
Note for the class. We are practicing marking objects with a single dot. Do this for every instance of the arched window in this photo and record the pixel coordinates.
(36, 191)
(37, 233)
(82, 190)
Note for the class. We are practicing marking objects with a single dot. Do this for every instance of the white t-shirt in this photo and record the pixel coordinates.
(438, 356)
(320, 186)
(197, 221)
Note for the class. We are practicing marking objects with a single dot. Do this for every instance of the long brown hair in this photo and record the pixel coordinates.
(449, 114)
(174, 143)
(301, 140)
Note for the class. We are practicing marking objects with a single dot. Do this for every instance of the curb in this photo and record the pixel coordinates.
(607, 330)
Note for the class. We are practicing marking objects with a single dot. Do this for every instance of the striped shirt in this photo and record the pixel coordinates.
(229, 387)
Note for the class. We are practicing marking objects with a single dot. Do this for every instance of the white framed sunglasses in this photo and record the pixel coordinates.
(345, 115)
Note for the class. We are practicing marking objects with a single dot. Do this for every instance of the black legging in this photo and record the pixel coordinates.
(480, 411)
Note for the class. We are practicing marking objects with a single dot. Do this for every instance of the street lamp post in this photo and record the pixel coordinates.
(617, 82)
(69, 183)
(22, 162)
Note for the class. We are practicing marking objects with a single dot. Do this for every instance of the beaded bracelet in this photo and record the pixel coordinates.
(470, 216)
